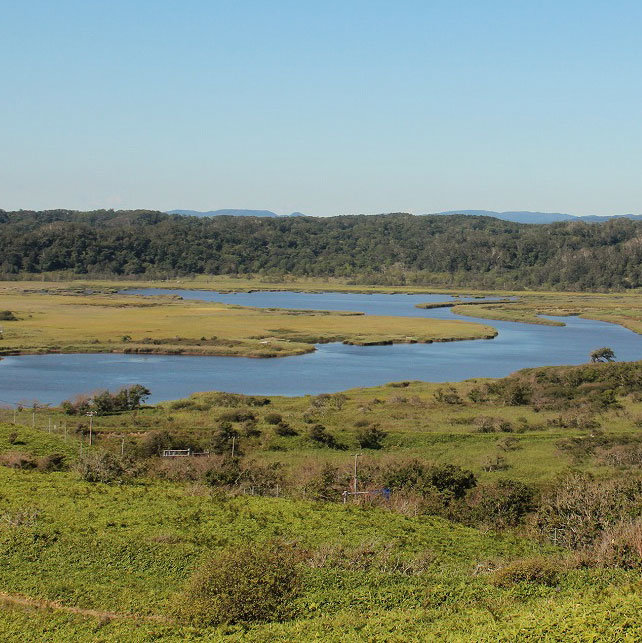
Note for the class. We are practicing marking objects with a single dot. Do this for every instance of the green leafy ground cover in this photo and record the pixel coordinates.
(87, 561)
(128, 549)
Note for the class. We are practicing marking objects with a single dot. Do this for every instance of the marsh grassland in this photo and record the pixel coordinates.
(70, 320)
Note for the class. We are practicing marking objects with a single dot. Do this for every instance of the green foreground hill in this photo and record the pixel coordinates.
(469, 547)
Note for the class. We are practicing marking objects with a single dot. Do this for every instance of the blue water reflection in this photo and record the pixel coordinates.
(332, 367)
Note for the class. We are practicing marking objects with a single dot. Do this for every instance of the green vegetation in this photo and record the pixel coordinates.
(103, 402)
(243, 585)
(513, 514)
(604, 354)
(393, 250)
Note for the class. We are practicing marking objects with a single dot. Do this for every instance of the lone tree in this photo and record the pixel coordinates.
(603, 354)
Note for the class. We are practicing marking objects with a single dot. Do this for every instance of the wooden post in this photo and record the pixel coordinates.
(355, 480)
(91, 426)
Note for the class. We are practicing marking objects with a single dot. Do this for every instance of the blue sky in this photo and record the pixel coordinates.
(328, 107)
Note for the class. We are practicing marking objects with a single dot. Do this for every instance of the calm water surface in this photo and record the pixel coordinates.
(332, 367)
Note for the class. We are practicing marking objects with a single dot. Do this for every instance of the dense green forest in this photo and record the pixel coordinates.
(392, 249)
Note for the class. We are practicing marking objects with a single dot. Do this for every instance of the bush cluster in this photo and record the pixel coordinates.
(249, 584)
(543, 571)
(104, 402)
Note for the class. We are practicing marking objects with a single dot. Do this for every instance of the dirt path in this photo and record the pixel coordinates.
(41, 603)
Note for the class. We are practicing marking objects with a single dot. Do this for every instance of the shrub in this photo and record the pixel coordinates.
(324, 486)
(604, 354)
(100, 467)
(517, 394)
(224, 474)
(477, 396)
(578, 509)
(452, 479)
(224, 439)
(495, 463)
(12, 438)
(261, 478)
(250, 584)
(239, 415)
(503, 503)
(78, 406)
(489, 424)
(250, 430)
(273, 418)
(181, 469)
(623, 455)
(15, 460)
(449, 480)
(620, 546)
(371, 438)
(51, 462)
(154, 443)
(543, 571)
(449, 396)
(326, 401)
(7, 315)
(509, 444)
(319, 435)
(285, 430)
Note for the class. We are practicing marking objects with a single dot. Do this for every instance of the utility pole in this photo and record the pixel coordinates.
(14, 414)
(356, 479)
(91, 426)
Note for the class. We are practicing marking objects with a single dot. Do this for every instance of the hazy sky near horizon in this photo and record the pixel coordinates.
(332, 107)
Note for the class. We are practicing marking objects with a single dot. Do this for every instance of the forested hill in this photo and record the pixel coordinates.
(390, 249)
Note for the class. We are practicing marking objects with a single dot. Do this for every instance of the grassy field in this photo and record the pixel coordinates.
(89, 561)
(417, 424)
(68, 321)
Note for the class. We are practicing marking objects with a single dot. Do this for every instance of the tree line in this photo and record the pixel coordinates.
(391, 249)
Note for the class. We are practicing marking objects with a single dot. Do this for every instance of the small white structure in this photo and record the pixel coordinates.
(177, 453)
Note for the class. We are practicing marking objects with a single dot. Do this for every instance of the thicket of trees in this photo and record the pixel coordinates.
(104, 402)
(390, 249)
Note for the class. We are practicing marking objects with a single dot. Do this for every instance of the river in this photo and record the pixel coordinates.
(332, 367)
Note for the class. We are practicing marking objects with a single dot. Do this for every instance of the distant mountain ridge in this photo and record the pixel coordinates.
(233, 213)
(516, 216)
(524, 216)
